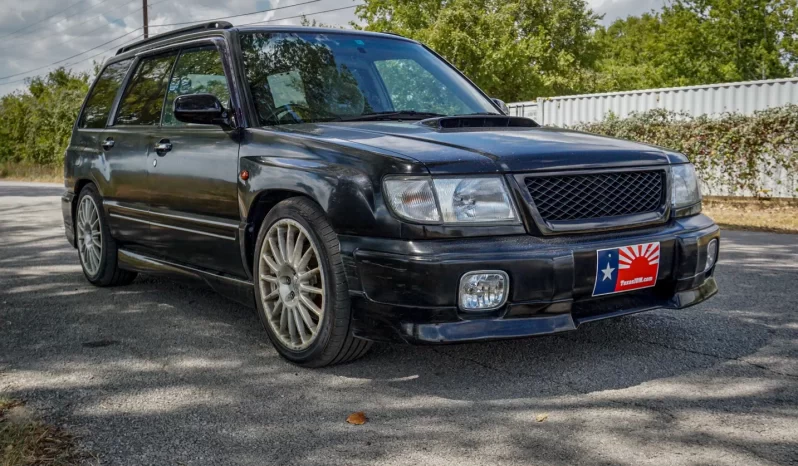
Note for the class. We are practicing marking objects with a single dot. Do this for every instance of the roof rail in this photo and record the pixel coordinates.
(175, 33)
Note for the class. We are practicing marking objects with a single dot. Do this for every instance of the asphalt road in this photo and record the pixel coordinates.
(163, 372)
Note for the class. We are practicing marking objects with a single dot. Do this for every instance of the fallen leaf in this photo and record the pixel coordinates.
(359, 418)
(541, 417)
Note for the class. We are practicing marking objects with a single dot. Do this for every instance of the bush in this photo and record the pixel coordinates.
(733, 153)
(35, 124)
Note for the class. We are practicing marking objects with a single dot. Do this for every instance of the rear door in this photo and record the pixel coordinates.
(193, 173)
(127, 142)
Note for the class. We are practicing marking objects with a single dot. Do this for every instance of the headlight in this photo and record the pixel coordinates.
(686, 191)
(481, 199)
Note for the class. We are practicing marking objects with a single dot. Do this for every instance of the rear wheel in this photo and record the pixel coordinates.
(301, 289)
(96, 248)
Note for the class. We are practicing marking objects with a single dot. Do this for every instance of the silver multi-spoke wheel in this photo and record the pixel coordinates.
(291, 284)
(89, 232)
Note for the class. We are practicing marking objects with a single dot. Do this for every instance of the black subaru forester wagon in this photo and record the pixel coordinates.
(355, 187)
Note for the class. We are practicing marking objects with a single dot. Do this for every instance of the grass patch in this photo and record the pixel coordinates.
(27, 442)
(32, 172)
(780, 216)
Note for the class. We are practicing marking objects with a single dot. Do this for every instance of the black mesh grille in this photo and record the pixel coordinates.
(578, 197)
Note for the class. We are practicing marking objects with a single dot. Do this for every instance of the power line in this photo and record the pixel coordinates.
(175, 24)
(58, 33)
(41, 20)
(236, 16)
(82, 60)
(69, 58)
(302, 15)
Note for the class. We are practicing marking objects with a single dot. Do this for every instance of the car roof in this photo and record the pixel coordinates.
(214, 28)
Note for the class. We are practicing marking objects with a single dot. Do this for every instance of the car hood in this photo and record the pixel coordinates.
(491, 150)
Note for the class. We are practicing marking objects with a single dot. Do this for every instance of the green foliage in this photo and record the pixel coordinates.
(512, 49)
(731, 151)
(35, 125)
(693, 42)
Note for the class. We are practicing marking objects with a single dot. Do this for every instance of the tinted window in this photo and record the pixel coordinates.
(411, 87)
(98, 106)
(143, 99)
(307, 77)
(198, 71)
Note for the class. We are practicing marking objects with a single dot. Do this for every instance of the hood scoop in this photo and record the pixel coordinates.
(477, 123)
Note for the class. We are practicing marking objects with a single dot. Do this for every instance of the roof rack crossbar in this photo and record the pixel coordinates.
(175, 33)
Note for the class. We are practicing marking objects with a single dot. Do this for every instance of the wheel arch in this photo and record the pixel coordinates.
(260, 207)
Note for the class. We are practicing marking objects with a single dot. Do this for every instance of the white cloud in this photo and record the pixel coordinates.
(89, 23)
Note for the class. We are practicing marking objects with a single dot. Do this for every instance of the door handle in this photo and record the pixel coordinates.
(108, 144)
(163, 146)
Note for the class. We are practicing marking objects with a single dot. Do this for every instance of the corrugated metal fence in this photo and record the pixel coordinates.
(742, 97)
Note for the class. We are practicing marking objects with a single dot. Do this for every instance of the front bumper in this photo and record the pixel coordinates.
(407, 290)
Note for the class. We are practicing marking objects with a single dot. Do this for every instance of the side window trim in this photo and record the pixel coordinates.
(114, 103)
(219, 45)
(115, 107)
(168, 85)
(131, 73)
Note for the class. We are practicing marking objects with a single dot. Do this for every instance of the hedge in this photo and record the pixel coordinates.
(731, 152)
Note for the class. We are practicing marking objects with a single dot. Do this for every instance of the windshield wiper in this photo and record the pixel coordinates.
(393, 115)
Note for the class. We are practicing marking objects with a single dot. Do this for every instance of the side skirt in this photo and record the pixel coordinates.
(233, 288)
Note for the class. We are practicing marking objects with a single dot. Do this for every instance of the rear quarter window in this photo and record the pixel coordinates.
(98, 105)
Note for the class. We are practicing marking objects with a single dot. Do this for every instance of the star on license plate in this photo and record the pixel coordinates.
(626, 268)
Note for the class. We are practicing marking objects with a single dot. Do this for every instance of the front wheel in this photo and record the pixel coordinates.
(300, 286)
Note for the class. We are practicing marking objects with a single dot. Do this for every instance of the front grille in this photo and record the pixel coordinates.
(597, 195)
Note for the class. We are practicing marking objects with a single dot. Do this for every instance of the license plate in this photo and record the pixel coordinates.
(626, 268)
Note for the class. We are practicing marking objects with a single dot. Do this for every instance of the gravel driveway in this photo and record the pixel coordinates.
(164, 372)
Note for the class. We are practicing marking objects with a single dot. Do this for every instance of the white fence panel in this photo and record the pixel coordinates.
(742, 97)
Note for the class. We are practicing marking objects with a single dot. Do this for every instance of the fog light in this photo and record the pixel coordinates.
(712, 254)
(483, 290)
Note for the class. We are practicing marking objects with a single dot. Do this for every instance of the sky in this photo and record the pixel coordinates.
(35, 34)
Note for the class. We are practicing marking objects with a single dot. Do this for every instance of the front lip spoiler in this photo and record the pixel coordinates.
(497, 329)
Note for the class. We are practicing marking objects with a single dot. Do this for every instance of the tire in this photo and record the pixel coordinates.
(99, 263)
(326, 309)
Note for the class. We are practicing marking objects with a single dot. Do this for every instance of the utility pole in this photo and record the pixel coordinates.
(144, 21)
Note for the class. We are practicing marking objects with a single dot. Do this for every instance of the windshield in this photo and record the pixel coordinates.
(313, 77)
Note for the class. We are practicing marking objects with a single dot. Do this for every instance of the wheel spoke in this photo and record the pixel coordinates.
(310, 289)
(304, 276)
(277, 306)
(289, 244)
(298, 245)
(310, 305)
(281, 244)
(275, 252)
(300, 327)
(95, 258)
(96, 243)
(292, 325)
(307, 319)
(284, 319)
(273, 295)
(268, 260)
(269, 278)
(303, 263)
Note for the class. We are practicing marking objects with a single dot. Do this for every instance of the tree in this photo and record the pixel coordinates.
(513, 49)
(699, 42)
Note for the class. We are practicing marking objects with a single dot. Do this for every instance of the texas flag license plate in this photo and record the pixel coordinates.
(627, 268)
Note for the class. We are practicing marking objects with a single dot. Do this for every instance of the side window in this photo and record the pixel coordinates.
(143, 99)
(198, 71)
(98, 105)
(411, 87)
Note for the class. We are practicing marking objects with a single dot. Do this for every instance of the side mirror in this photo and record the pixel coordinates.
(203, 109)
(502, 106)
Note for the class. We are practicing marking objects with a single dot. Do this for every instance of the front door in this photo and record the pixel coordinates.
(193, 172)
